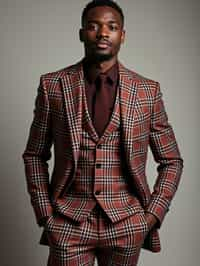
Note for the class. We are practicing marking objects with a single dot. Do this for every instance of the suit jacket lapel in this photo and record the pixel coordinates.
(72, 84)
(128, 93)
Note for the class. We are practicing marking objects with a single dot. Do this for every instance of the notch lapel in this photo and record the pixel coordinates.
(73, 84)
(128, 93)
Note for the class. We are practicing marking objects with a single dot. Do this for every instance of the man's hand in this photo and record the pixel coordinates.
(43, 221)
(151, 220)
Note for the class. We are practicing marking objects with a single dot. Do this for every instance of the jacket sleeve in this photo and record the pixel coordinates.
(166, 153)
(36, 155)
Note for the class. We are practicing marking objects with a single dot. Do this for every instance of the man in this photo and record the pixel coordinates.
(101, 119)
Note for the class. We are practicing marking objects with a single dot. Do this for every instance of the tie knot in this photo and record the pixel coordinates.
(101, 80)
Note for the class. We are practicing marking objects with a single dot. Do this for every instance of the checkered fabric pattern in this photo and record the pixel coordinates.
(58, 120)
(77, 244)
(100, 174)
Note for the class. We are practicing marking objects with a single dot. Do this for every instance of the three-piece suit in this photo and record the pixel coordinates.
(99, 174)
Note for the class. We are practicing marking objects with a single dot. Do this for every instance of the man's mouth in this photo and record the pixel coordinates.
(103, 44)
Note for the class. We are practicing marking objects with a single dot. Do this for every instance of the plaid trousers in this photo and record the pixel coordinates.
(79, 243)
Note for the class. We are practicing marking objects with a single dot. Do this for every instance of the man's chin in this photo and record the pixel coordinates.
(102, 57)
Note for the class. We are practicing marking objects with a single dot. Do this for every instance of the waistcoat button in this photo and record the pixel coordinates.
(97, 192)
(98, 165)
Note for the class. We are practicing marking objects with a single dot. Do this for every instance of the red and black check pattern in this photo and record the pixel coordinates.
(100, 176)
(78, 244)
(58, 120)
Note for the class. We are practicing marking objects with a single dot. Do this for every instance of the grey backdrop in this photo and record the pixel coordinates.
(162, 43)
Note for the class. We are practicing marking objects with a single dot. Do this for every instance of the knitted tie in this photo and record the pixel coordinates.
(100, 117)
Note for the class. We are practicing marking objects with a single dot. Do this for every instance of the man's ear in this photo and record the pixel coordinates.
(81, 35)
(123, 36)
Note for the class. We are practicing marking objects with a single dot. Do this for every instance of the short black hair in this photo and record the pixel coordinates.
(95, 3)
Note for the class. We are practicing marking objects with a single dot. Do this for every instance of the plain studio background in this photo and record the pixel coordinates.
(162, 43)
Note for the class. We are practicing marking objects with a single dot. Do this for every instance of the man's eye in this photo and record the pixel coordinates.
(92, 27)
(113, 27)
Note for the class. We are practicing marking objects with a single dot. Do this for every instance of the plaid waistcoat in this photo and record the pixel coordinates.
(100, 176)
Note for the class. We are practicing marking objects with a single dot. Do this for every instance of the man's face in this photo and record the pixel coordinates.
(102, 33)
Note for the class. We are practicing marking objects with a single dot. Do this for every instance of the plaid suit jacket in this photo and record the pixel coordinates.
(144, 123)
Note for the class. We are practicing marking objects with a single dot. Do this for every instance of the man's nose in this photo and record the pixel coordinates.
(103, 32)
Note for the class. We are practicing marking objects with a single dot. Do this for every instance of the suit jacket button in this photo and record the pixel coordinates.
(99, 146)
(97, 192)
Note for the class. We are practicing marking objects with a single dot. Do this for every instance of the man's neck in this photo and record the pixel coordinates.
(95, 67)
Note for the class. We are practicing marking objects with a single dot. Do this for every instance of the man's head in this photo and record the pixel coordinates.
(102, 29)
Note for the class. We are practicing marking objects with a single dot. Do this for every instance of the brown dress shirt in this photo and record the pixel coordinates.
(111, 89)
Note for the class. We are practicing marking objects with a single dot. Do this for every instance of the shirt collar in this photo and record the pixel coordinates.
(112, 74)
